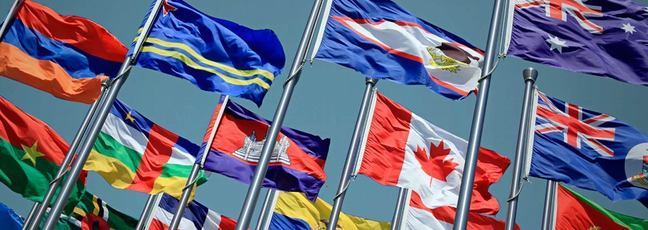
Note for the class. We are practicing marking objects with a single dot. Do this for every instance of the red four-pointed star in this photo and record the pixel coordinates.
(436, 166)
(166, 7)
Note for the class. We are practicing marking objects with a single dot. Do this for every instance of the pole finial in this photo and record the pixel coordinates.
(373, 81)
(530, 74)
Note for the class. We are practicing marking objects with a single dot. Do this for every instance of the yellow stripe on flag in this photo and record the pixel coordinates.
(112, 170)
(172, 186)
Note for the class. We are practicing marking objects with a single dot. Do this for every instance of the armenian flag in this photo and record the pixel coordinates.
(66, 56)
(131, 152)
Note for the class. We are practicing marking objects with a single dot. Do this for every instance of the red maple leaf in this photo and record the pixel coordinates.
(436, 166)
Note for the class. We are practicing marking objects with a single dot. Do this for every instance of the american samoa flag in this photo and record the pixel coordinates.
(382, 40)
(588, 149)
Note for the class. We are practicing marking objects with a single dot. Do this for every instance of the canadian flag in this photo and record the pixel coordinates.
(402, 149)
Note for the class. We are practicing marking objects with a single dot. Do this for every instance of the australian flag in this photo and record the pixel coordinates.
(600, 37)
(297, 162)
(589, 150)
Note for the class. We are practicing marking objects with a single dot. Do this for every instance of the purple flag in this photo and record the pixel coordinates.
(600, 37)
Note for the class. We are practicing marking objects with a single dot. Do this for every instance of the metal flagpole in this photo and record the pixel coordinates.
(32, 222)
(399, 212)
(530, 75)
(468, 178)
(193, 176)
(267, 210)
(10, 17)
(104, 109)
(32, 211)
(146, 212)
(262, 167)
(548, 215)
(156, 202)
(352, 154)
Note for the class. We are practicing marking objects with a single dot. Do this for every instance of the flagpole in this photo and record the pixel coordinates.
(193, 176)
(32, 221)
(267, 210)
(468, 178)
(31, 212)
(399, 212)
(268, 145)
(104, 110)
(10, 17)
(548, 215)
(352, 154)
(146, 211)
(530, 75)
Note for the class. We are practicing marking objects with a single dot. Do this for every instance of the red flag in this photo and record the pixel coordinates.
(402, 149)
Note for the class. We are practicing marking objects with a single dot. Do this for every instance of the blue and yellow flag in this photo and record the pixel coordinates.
(294, 212)
(212, 53)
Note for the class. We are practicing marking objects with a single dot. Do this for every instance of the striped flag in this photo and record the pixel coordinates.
(62, 55)
(132, 152)
(94, 214)
(197, 216)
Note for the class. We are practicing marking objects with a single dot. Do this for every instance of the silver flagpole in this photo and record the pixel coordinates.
(399, 212)
(104, 109)
(530, 75)
(146, 212)
(31, 212)
(193, 176)
(268, 146)
(468, 178)
(352, 154)
(548, 215)
(32, 222)
(10, 17)
(267, 210)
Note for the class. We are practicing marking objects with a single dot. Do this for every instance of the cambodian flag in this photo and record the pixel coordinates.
(66, 56)
(297, 163)
(382, 40)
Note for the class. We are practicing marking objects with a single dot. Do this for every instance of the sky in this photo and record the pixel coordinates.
(326, 102)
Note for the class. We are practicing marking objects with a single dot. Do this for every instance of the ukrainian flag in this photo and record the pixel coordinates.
(212, 53)
(294, 212)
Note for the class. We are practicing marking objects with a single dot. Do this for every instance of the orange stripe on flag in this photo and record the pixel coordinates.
(47, 76)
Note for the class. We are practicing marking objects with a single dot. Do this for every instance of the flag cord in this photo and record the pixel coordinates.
(291, 77)
(189, 185)
(497, 61)
(517, 193)
(346, 186)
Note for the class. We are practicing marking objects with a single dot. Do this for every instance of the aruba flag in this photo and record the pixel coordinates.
(212, 53)
(66, 56)
(297, 162)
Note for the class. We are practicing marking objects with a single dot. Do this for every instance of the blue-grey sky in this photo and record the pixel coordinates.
(326, 102)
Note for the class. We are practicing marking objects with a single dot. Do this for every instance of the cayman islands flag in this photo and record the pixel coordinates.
(589, 150)
(66, 56)
(382, 40)
(599, 37)
(297, 162)
(212, 53)
(132, 152)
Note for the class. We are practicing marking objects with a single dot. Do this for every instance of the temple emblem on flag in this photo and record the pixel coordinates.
(251, 150)
(558, 9)
(575, 127)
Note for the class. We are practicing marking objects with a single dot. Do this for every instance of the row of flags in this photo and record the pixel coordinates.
(70, 56)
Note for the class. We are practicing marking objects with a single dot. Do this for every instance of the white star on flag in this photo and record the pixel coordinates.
(628, 28)
(556, 43)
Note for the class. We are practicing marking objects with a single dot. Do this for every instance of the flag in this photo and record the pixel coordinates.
(30, 155)
(404, 150)
(196, 216)
(599, 37)
(212, 53)
(131, 152)
(65, 56)
(576, 212)
(294, 212)
(382, 40)
(92, 213)
(421, 217)
(297, 162)
(589, 150)
(9, 218)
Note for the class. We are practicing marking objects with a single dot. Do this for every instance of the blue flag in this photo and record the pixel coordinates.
(9, 219)
(212, 53)
(381, 40)
(589, 150)
(599, 37)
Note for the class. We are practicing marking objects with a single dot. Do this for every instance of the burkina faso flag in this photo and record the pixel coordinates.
(575, 212)
(30, 154)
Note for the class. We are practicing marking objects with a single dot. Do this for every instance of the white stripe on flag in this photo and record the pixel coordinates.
(125, 134)
(165, 217)
(212, 221)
